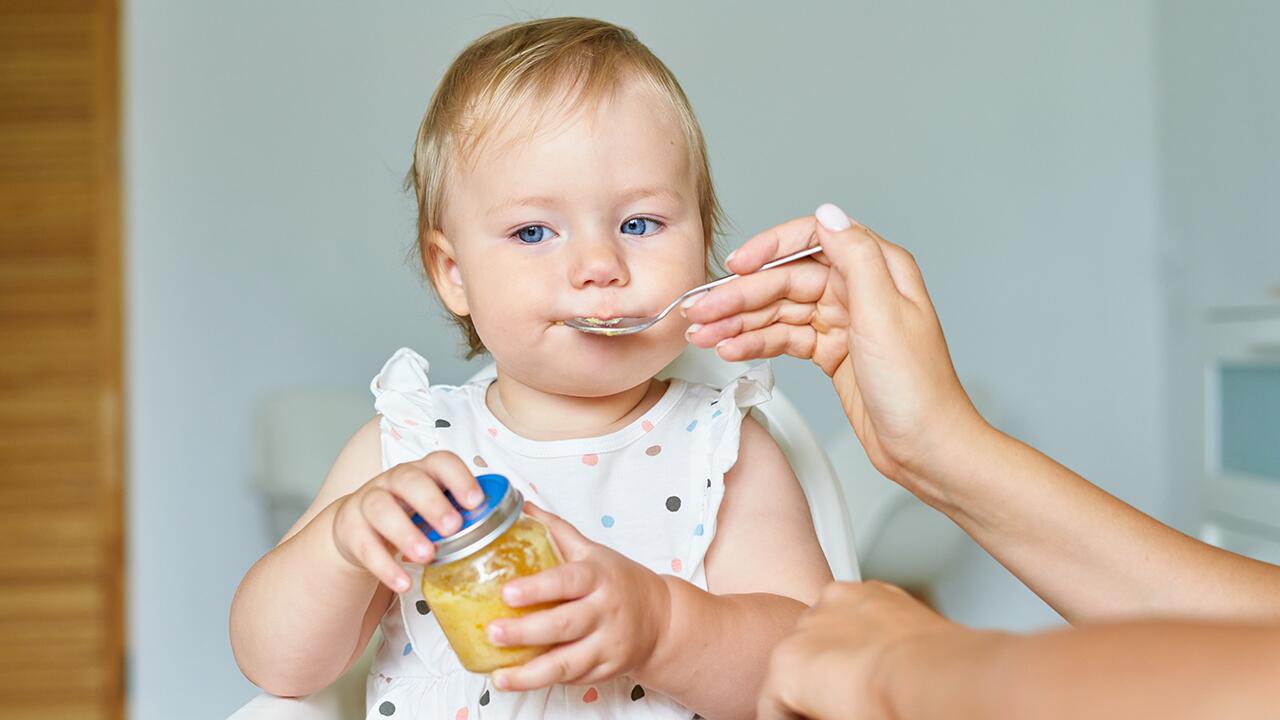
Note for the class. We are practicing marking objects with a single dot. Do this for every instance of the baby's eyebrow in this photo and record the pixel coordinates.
(542, 201)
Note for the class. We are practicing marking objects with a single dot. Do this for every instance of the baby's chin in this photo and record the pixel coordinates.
(591, 374)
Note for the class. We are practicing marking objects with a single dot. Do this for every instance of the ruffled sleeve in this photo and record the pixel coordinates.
(725, 414)
(402, 398)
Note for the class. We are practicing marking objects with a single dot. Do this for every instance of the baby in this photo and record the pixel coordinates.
(559, 173)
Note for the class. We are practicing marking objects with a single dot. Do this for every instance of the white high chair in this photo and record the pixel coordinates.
(345, 698)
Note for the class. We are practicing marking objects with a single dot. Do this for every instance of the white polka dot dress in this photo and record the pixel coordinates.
(650, 491)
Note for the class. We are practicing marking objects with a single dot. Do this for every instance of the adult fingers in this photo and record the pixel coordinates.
(771, 341)
(783, 311)
(803, 281)
(857, 254)
(791, 236)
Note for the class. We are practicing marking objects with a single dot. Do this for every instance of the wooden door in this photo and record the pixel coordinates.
(61, 556)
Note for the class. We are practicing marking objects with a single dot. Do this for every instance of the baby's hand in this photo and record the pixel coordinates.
(613, 610)
(375, 518)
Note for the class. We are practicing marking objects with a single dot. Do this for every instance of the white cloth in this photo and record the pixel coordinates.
(650, 491)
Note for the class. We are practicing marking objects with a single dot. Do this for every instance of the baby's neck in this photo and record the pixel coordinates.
(538, 415)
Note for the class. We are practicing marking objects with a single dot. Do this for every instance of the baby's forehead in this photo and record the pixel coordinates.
(633, 128)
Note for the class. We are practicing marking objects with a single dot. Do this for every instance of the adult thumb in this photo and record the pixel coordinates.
(856, 255)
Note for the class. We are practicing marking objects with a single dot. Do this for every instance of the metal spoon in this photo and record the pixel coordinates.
(632, 325)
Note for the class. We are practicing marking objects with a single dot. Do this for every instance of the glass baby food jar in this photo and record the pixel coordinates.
(463, 584)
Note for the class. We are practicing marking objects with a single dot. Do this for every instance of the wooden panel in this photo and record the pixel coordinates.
(61, 551)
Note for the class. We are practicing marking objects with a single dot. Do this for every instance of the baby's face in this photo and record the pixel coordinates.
(595, 216)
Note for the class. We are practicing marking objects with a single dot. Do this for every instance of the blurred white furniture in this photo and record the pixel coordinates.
(1239, 457)
(289, 481)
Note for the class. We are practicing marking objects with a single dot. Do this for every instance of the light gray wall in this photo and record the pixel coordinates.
(1009, 145)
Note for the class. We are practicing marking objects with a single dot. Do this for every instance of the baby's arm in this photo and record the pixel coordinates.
(303, 614)
(708, 651)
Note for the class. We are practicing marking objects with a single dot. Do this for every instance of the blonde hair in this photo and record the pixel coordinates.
(531, 65)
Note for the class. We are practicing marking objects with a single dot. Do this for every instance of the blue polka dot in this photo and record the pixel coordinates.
(408, 648)
(692, 425)
(717, 414)
(607, 521)
(697, 531)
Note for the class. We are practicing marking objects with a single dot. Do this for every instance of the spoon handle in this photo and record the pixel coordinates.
(771, 264)
(721, 281)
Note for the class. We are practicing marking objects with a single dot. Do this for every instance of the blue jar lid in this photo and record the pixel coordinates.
(500, 508)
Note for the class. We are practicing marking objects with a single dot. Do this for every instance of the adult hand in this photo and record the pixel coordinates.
(832, 665)
(859, 310)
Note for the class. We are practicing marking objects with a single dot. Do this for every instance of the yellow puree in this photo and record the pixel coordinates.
(465, 595)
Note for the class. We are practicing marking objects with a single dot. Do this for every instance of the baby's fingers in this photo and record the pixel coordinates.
(385, 515)
(566, 582)
(560, 624)
(561, 665)
(371, 552)
(454, 475)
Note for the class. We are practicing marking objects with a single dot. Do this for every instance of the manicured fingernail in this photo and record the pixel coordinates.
(695, 327)
(402, 584)
(722, 343)
(421, 550)
(474, 498)
(832, 217)
(691, 302)
(729, 258)
(510, 595)
(499, 679)
(450, 523)
(496, 634)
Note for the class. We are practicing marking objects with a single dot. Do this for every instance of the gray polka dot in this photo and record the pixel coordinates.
(484, 699)
(422, 606)
(442, 423)
(673, 503)
(387, 708)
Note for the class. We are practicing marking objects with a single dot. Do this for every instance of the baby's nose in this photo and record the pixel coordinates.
(599, 264)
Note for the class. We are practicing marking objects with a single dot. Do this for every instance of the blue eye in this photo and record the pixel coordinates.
(533, 234)
(640, 226)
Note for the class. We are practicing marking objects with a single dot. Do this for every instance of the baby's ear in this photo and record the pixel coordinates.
(442, 270)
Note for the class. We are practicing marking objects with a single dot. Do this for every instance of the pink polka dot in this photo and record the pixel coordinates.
(461, 714)
(493, 432)
(646, 425)
(533, 487)
(479, 462)
(590, 459)
(591, 696)
(392, 432)
(676, 565)
(410, 422)
(653, 450)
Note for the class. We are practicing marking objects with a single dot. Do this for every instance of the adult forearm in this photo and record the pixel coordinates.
(1088, 554)
(298, 614)
(1166, 670)
(712, 637)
